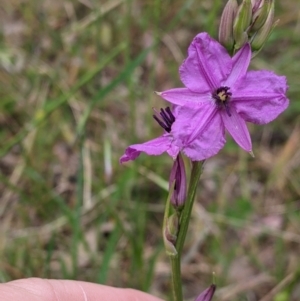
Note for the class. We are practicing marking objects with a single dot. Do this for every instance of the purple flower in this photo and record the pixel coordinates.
(207, 294)
(157, 146)
(220, 94)
(204, 146)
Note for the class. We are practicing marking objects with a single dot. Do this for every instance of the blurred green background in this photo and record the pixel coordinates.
(77, 81)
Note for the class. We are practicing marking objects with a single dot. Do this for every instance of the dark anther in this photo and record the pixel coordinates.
(165, 118)
(222, 97)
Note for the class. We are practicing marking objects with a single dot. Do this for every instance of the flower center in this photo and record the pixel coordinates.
(222, 97)
(164, 118)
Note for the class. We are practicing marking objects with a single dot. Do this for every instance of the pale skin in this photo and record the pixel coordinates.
(36, 289)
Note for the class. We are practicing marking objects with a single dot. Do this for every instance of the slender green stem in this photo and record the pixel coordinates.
(171, 251)
(187, 210)
(176, 278)
(183, 227)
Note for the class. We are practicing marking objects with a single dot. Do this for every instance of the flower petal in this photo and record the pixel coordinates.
(209, 143)
(240, 63)
(185, 97)
(153, 147)
(208, 294)
(237, 128)
(260, 98)
(201, 132)
(190, 123)
(206, 66)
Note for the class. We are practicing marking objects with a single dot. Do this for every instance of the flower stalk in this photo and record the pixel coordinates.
(174, 252)
(219, 94)
(187, 210)
(169, 242)
(176, 278)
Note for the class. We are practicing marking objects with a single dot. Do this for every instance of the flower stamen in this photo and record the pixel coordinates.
(164, 118)
(222, 97)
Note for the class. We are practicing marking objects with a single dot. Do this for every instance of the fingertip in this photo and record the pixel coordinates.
(36, 289)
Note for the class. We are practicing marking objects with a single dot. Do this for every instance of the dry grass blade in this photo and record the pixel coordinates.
(270, 296)
(230, 292)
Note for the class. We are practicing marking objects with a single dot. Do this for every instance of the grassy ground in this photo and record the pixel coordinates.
(77, 81)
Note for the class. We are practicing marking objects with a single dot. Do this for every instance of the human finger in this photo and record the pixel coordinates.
(36, 289)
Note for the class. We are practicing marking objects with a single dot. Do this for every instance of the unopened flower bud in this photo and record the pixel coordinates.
(170, 232)
(264, 32)
(261, 14)
(226, 24)
(241, 23)
(169, 247)
(207, 294)
(178, 175)
(172, 228)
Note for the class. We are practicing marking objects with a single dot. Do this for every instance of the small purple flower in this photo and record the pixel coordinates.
(164, 143)
(207, 294)
(204, 146)
(220, 94)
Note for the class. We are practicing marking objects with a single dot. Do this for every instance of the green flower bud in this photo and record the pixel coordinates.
(241, 23)
(169, 247)
(226, 24)
(172, 227)
(261, 14)
(264, 32)
(170, 232)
